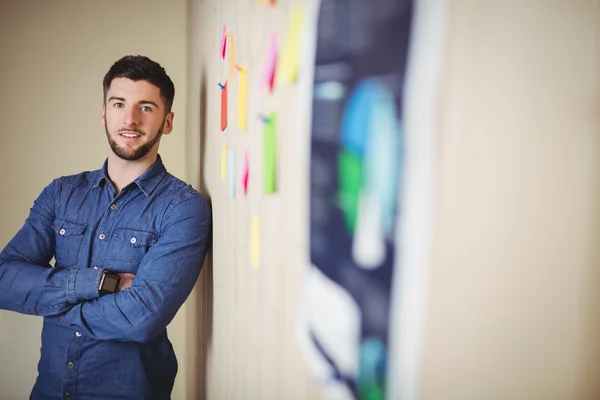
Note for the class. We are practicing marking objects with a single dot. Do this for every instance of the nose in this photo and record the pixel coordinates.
(131, 116)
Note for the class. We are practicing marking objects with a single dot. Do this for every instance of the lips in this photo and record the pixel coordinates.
(130, 134)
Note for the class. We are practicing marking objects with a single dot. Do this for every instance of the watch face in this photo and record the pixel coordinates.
(111, 283)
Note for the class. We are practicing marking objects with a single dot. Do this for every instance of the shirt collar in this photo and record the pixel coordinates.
(147, 182)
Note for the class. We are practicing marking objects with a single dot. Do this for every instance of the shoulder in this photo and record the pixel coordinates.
(183, 196)
(82, 179)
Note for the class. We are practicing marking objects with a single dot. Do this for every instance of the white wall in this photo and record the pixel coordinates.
(53, 56)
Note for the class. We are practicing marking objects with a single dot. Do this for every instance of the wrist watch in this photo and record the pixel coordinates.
(109, 282)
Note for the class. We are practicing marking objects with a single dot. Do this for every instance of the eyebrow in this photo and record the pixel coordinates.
(140, 102)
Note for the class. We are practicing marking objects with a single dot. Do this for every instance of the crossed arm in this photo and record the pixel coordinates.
(140, 310)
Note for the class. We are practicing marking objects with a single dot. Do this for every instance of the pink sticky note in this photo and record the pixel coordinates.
(245, 173)
(224, 42)
(267, 79)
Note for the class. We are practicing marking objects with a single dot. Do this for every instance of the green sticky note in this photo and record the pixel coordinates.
(270, 154)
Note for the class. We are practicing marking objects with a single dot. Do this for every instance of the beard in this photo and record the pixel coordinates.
(129, 154)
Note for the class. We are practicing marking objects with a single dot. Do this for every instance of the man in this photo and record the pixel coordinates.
(129, 241)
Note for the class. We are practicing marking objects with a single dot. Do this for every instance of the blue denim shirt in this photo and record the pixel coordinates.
(113, 346)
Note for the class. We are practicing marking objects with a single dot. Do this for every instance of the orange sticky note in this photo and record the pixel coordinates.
(288, 67)
(231, 54)
(242, 97)
(224, 107)
(224, 42)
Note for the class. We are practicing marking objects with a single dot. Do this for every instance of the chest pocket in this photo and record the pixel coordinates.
(132, 244)
(69, 236)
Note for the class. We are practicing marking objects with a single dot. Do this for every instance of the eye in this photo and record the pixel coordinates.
(146, 109)
(118, 105)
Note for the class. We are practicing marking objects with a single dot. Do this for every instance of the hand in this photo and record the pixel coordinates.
(126, 281)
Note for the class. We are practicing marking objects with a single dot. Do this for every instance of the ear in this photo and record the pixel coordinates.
(103, 115)
(168, 123)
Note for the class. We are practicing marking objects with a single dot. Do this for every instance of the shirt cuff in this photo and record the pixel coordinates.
(83, 284)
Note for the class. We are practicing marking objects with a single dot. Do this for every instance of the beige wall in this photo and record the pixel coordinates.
(512, 311)
(54, 55)
(249, 317)
(514, 307)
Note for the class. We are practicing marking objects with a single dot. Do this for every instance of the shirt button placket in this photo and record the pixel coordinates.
(70, 371)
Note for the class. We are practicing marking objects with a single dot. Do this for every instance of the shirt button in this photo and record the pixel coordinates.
(62, 231)
(70, 364)
(102, 236)
(113, 207)
(78, 334)
(95, 267)
(133, 240)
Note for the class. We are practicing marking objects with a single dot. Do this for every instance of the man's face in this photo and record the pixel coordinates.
(134, 118)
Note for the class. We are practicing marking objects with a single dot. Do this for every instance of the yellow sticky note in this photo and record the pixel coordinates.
(242, 97)
(224, 162)
(255, 242)
(288, 66)
(231, 43)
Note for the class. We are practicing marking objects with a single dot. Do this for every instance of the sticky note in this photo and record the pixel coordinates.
(231, 54)
(224, 42)
(242, 97)
(267, 78)
(224, 107)
(224, 162)
(270, 154)
(230, 172)
(255, 242)
(288, 68)
(245, 174)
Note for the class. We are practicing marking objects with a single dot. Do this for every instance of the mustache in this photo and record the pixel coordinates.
(131, 130)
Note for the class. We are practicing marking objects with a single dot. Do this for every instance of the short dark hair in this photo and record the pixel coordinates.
(138, 68)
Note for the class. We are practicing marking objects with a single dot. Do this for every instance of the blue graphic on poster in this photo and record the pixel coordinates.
(355, 184)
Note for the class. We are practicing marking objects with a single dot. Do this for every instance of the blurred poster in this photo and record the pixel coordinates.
(355, 181)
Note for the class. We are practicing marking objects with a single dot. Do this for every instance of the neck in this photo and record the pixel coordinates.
(122, 172)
